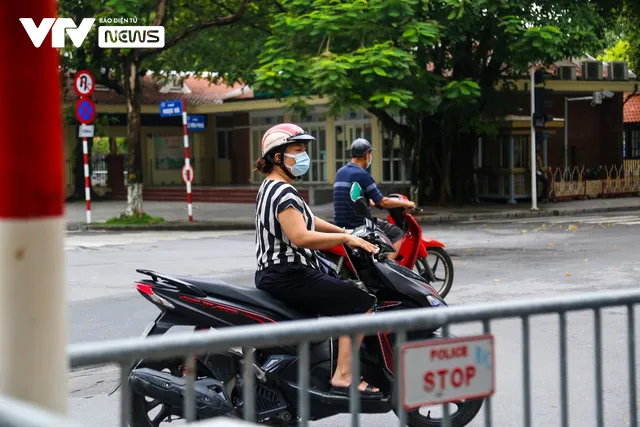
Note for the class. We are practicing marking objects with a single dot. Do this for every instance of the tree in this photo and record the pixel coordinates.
(443, 67)
(624, 42)
(618, 52)
(121, 69)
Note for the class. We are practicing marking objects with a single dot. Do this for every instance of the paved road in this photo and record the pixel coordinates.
(494, 262)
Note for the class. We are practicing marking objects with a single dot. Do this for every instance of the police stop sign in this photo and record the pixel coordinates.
(447, 370)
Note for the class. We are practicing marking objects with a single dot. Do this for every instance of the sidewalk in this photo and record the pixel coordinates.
(228, 216)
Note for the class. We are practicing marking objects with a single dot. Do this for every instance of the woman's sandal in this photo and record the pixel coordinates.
(368, 392)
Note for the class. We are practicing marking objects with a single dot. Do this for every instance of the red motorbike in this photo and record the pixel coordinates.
(415, 253)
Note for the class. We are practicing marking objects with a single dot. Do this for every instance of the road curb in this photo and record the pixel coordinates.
(544, 213)
(435, 219)
(167, 226)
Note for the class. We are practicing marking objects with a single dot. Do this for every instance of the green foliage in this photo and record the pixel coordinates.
(101, 146)
(629, 25)
(618, 52)
(184, 20)
(231, 51)
(437, 63)
(398, 55)
(143, 219)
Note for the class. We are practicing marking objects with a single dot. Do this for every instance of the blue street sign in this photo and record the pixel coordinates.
(170, 108)
(195, 122)
(85, 111)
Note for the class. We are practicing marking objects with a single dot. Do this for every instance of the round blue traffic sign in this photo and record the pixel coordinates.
(85, 111)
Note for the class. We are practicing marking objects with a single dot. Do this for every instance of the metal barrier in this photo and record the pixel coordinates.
(15, 413)
(126, 351)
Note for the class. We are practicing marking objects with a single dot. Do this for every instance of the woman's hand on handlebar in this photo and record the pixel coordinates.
(357, 243)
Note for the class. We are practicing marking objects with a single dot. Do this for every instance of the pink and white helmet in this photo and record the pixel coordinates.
(283, 134)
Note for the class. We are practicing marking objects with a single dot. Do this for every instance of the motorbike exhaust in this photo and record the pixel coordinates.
(210, 395)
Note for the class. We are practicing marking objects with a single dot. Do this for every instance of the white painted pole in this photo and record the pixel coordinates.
(187, 159)
(534, 189)
(87, 182)
(566, 133)
(33, 321)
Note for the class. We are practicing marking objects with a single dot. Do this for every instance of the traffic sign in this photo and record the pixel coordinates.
(85, 111)
(86, 131)
(84, 83)
(187, 173)
(195, 122)
(170, 108)
(447, 370)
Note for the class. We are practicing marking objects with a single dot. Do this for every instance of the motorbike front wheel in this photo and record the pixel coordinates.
(439, 261)
(461, 414)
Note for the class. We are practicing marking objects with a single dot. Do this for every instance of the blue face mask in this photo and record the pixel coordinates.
(303, 161)
(370, 161)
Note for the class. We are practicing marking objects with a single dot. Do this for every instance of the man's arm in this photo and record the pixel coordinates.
(378, 199)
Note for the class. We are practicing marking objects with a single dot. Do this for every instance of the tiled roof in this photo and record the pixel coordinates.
(632, 108)
(202, 92)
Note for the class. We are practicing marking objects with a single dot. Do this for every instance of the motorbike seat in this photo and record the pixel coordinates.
(244, 294)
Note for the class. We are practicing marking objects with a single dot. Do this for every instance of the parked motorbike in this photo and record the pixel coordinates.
(211, 303)
(415, 253)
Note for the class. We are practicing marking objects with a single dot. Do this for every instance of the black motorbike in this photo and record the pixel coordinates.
(158, 387)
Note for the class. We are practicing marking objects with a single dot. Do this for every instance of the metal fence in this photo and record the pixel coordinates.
(580, 182)
(126, 351)
(15, 413)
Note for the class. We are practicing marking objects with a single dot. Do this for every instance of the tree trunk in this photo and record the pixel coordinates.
(429, 176)
(445, 174)
(132, 92)
(462, 167)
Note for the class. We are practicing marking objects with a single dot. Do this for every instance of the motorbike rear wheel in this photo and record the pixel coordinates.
(441, 258)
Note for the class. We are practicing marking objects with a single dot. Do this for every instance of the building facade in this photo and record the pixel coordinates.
(224, 153)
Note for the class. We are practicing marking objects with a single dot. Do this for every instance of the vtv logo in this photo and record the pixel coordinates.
(76, 34)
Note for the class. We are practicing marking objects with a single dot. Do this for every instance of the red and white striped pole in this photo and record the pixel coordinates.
(187, 160)
(87, 184)
(33, 306)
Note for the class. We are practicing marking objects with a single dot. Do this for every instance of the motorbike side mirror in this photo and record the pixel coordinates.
(361, 208)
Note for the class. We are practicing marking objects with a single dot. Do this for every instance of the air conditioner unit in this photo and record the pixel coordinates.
(592, 70)
(618, 70)
(566, 72)
(174, 87)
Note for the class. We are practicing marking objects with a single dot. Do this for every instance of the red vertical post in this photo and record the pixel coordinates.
(187, 160)
(87, 183)
(33, 323)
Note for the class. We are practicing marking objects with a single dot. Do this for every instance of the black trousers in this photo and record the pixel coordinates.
(311, 291)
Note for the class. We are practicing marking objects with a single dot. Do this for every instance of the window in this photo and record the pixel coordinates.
(259, 125)
(632, 150)
(394, 169)
(501, 145)
(224, 144)
(352, 125)
(521, 151)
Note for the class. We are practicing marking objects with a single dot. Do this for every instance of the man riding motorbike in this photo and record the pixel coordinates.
(355, 171)
(288, 235)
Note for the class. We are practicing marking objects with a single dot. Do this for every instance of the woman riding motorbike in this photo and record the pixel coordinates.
(288, 235)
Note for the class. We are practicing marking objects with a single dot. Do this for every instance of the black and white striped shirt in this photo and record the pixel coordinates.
(272, 245)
